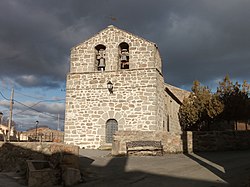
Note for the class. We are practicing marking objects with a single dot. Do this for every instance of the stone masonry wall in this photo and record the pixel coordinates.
(160, 110)
(167, 110)
(221, 140)
(173, 113)
(142, 53)
(13, 155)
(186, 141)
(133, 104)
(138, 99)
(172, 142)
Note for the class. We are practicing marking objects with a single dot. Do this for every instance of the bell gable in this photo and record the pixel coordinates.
(113, 49)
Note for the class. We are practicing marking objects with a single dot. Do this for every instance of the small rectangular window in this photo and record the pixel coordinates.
(168, 123)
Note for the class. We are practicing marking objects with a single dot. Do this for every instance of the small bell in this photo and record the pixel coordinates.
(101, 63)
(123, 58)
(124, 55)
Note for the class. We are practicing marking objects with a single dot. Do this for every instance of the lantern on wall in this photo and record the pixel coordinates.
(110, 87)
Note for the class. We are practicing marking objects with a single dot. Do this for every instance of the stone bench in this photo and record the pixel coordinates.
(144, 148)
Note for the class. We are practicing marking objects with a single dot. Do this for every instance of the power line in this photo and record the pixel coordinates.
(45, 100)
(38, 98)
(31, 107)
(28, 109)
(4, 96)
(37, 110)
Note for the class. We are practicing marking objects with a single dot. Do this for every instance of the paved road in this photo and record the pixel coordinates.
(176, 170)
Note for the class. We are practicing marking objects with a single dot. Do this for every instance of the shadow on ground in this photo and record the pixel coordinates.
(114, 173)
(234, 168)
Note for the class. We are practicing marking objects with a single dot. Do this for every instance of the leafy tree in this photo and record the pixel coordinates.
(200, 108)
(235, 99)
(230, 102)
(188, 113)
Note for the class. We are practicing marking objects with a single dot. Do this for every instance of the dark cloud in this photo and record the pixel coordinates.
(33, 81)
(208, 43)
(198, 39)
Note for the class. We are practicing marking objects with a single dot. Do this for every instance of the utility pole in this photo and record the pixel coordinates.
(58, 122)
(11, 111)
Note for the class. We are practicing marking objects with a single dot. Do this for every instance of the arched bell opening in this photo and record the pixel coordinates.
(124, 55)
(100, 57)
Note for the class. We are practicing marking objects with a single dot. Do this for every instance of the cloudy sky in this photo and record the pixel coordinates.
(198, 39)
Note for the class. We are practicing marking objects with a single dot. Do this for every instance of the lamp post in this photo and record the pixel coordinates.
(110, 87)
(1, 116)
(36, 128)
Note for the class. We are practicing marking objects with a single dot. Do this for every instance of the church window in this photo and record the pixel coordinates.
(100, 57)
(171, 108)
(124, 55)
(168, 123)
(111, 128)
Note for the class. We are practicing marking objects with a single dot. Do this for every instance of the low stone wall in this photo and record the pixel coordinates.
(172, 142)
(186, 141)
(13, 156)
(221, 140)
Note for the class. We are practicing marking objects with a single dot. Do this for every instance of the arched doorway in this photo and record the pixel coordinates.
(111, 128)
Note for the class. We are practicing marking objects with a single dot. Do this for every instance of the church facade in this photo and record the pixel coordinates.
(116, 83)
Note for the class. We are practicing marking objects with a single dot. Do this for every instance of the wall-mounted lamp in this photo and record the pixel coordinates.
(110, 87)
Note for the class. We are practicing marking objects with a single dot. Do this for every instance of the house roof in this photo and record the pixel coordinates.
(177, 93)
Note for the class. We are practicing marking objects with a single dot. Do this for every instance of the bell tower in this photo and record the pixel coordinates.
(129, 65)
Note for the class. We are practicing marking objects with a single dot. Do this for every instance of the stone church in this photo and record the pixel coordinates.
(116, 83)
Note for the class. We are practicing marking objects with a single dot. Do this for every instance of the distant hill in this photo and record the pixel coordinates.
(44, 133)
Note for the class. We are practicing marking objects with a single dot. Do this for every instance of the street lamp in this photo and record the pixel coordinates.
(1, 116)
(36, 128)
(110, 87)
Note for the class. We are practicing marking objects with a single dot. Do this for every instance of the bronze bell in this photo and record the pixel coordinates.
(101, 63)
(123, 58)
(124, 55)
